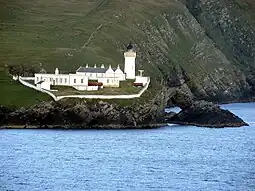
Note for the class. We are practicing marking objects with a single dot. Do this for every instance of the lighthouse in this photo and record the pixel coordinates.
(130, 56)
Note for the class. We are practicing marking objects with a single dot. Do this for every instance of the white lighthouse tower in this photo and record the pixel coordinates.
(130, 56)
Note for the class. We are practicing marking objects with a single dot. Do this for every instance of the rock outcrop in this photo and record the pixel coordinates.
(192, 50)
(206, 114)
(96, 114)
(86, 114)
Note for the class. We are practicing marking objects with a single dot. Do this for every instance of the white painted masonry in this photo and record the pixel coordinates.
(141, 79)
(57, 98)
(130, 57)
(43, 85)
(131, 96)
(22, 81)
(105, 77)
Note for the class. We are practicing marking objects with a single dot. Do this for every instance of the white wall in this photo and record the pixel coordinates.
(87, 88)
(130, 64)
(92, 88)
(120, 75)
(53, 79)
(110, 82)
(78, 80)
(22, 81)
(109, 73)
(57, 98)
(25, 78)
(62, 79)
(44, 85)
(92, 76)
(108, 96)
(141, 79)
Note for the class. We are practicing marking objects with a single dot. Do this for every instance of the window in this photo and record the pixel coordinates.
(74, 81)
(65, 80)
(107, 81)
(82, 81)
(56, 80)
(102, 75)
(37, 79)
(60, 80)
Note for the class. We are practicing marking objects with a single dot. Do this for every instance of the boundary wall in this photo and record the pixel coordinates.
(57, 98)
(22, 81)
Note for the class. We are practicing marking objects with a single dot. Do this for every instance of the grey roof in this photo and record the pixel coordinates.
(92, 70)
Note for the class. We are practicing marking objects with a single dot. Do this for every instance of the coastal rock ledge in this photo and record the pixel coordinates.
(206, 114)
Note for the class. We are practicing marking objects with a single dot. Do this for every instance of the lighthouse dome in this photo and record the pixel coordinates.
(130, 47)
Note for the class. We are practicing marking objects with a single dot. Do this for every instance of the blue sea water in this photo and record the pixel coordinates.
(169, 158)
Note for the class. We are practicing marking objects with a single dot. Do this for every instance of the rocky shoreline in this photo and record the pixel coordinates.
(199, 113)
(105, 127)
(206, 114)
(99, 114)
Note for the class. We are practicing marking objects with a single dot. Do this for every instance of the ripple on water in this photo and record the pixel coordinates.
(170, 158)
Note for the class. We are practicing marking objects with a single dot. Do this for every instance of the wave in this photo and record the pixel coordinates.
(251, 123)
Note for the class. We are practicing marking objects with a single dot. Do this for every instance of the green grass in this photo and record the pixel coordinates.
(14, 94)
(46, 32)
(52, 34)
(126, 88)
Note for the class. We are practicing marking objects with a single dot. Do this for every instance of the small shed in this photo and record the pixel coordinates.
(141, 81)
(43, 85)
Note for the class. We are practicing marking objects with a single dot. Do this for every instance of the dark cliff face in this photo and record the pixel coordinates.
(231, 26)
(206, 114)
(85, 114)
(208, 45)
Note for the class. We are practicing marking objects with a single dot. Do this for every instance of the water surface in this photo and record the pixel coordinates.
(170, 158)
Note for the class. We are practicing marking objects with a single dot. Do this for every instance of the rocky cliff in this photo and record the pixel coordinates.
(84, 114)
(204, 48)
(206, 114)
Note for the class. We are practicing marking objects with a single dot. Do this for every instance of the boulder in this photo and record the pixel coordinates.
(206, 114)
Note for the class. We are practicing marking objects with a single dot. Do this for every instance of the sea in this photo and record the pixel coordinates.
(169, 158)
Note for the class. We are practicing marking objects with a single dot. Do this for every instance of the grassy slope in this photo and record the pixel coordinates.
(54, 33)
(47, 31)
(14, 94)
(59, 34)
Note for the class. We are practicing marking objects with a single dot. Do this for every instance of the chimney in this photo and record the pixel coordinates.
(56, 71)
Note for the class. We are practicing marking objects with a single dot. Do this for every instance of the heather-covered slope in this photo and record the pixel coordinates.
(208, 45)
(231, 25)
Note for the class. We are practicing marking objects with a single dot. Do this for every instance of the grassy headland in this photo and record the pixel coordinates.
(172, 40)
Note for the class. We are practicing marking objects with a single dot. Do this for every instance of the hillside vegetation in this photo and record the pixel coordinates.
(209, 44)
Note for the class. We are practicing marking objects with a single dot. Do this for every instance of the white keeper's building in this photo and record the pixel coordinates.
(105, 76)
